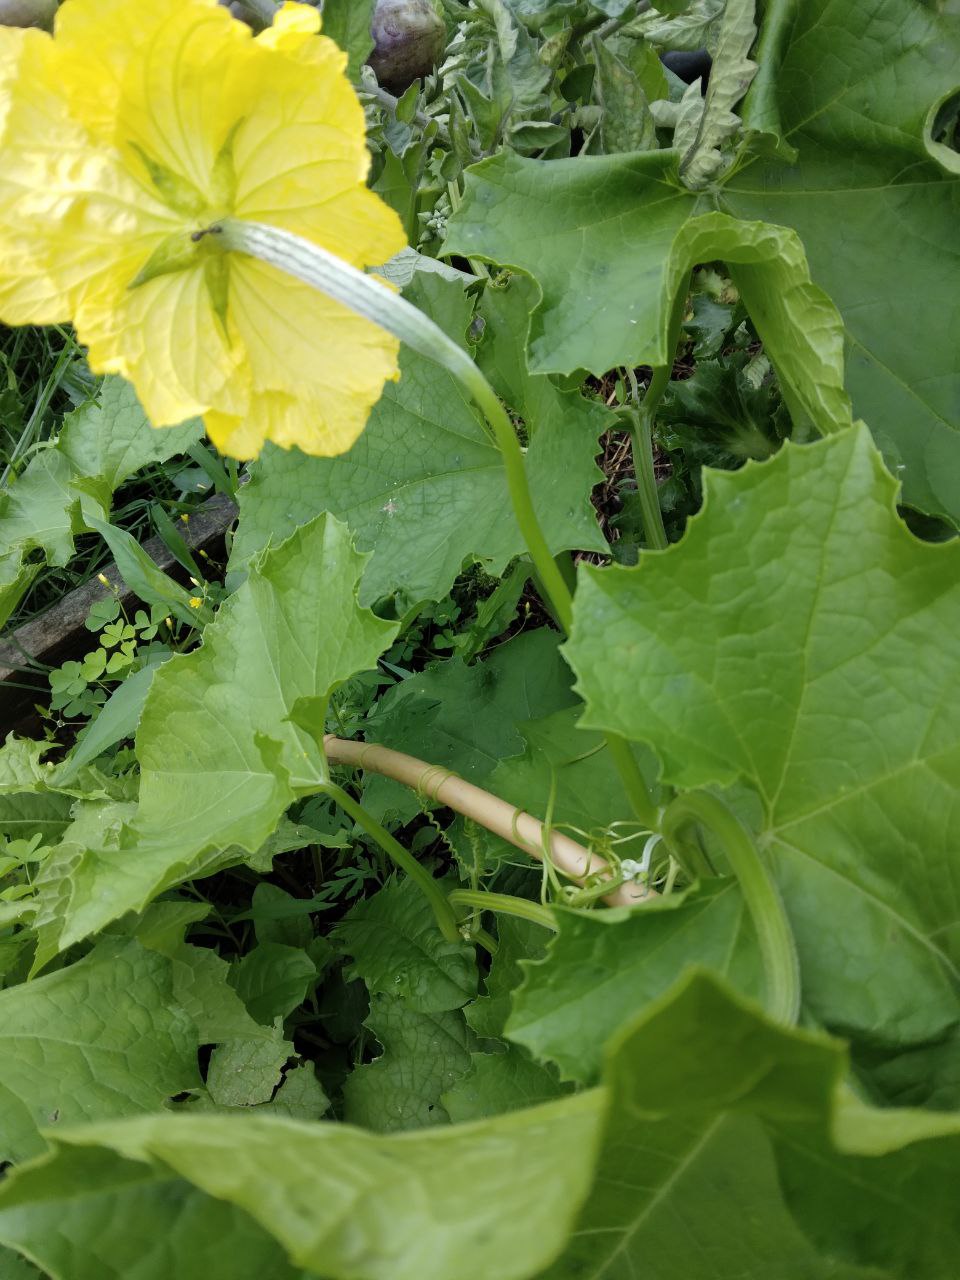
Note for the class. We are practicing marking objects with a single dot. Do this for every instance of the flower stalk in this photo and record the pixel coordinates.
(641, 439)
(372, 299)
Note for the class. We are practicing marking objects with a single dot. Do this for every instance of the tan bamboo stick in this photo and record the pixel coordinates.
(513, 825)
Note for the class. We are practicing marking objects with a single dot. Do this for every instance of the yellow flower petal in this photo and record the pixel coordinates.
(333, 363)
(322, 427)
(69, 215)
(166, 77)
(304, 171)
(27, 292)
(238, 436)
(292, 26)
(167, 340)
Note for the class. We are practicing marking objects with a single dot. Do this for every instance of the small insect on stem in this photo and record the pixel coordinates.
(197, 236)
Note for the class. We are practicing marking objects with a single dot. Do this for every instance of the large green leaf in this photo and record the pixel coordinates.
(109, 440)
(498, 1082)
(219, 743)
(733, 1149)
(396, 947)
(596, 233)
(99, 1039)
(468, 717)
(800, 640)
(877, 209)
(730, 1147)
(424, 487)
(88, 1215)
(492, 1200)
(611, 240)
(604, 967)
(424, 1054)
(218, 739)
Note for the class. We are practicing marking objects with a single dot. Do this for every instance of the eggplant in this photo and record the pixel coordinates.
(28, 13)
(409, 38)
(688, 66)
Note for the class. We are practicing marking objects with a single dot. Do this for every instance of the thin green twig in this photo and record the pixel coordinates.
(392, 847)
(641, 439)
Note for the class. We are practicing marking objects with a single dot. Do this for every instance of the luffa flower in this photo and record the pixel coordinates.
(123, 139)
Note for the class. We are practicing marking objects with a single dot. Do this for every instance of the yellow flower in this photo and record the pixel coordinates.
(132, 130)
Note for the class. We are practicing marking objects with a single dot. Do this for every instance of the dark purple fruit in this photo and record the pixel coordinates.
(409, 38)
(28, 13)
(688, 66)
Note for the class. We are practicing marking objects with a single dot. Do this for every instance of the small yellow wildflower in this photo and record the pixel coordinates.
(195, 602)
(124, 138)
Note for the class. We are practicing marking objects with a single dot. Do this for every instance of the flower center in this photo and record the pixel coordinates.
(185, 249)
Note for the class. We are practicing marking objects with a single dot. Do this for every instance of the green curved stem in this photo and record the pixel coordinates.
(641, 429)
(634, 783)
(368, 297)
(558, 594)
(485, 940)
(641, 438)
(506, 904)
(394, 849)
(761, 895)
